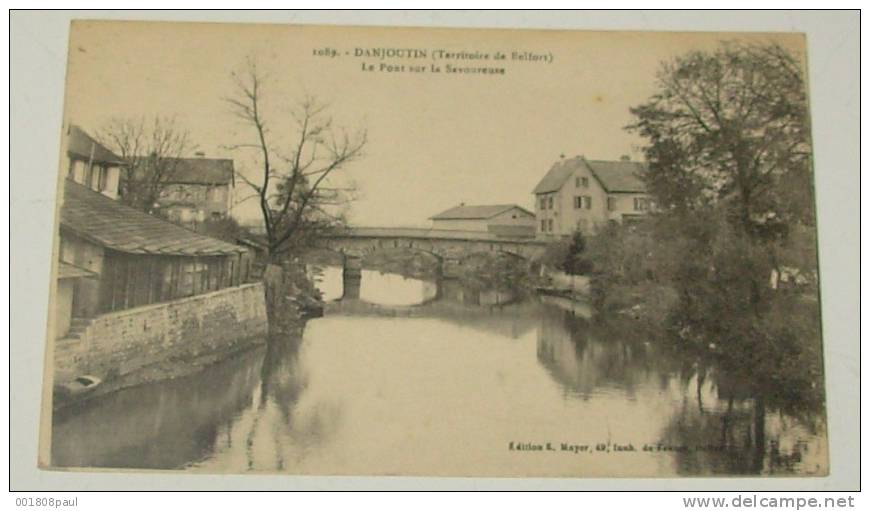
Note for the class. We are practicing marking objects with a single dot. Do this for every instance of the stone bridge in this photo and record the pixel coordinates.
(449, 247)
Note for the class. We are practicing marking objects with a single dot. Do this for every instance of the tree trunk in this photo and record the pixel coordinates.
(760, 439)
(282, 295)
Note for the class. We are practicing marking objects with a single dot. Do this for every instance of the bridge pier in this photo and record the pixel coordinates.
(449, 267)
(351, 277)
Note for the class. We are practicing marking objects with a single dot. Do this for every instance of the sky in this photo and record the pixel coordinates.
(434, 139)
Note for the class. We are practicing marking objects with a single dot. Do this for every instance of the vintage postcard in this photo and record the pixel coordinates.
(434, 252)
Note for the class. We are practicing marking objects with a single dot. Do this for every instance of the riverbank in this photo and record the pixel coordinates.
(173, 339)
(169, 369)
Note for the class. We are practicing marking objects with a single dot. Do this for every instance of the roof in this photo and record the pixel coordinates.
(619, 176)
(82, 145)
(113, 225)
(199, 170)
(250, 239)
(557, 175)
(71, 271)
(428, 234)
(614, 176)
(463, 212)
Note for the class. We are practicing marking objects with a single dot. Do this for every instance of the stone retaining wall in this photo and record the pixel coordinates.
(119, 343)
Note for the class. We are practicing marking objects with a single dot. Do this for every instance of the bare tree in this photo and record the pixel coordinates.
(292, 182)
(151, 148)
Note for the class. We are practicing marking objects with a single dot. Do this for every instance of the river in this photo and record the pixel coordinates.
(414, 377)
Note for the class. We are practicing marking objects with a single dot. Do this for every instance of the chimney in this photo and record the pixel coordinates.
(200, 154)
(625, 157)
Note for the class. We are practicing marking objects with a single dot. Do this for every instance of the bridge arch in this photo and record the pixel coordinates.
(447, 247)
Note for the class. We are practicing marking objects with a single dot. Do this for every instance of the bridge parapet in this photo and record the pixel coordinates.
(432, 234)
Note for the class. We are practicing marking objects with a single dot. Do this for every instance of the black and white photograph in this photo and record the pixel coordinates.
(384, 251)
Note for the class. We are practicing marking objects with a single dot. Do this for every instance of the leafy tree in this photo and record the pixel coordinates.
(568, 256)
(730, 127)
(728, 131)
(626, 259)
(729, 166)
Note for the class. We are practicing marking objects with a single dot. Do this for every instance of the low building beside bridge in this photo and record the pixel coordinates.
(501, 219)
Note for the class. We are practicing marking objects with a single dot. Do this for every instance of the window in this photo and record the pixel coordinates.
(550, 225)
(217, 194)
(104, 178)
(185, 285)
(550, 202)
(89, 176)
(187, 214)
(611, 203)
(585, 182)
(543, 226)
(543, 203)
(641, 204)
(78, 171)
(97, 178)
(588, 201)
(578, 202)
(66, 250)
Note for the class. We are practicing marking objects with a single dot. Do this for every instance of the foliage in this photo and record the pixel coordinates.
(768, 339)
(226, 228)
(729, 167)
(627, 258)
(576, 261)
(151, 150)
(555, 254)
(501, 273)
(730, 127)
(292, 184)
(569, 256)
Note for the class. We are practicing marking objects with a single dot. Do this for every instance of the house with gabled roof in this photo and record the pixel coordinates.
(502, 219)
(581, 194)
(92, 164)
(196, 189)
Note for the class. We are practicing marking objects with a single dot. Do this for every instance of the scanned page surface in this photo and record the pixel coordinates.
(437, 252)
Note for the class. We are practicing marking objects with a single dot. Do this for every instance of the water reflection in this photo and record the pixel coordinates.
(439, 379)
(328, 280)
(585, 365)
(372, 286)
(162, 425)
(391, 289)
